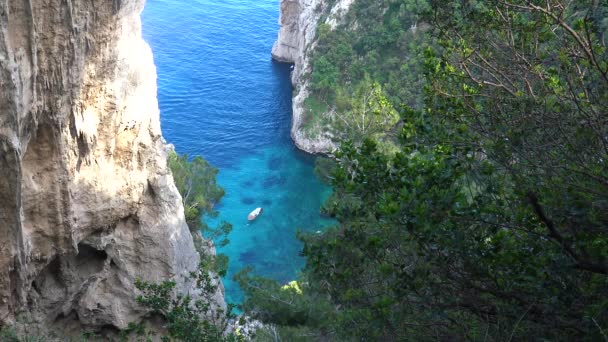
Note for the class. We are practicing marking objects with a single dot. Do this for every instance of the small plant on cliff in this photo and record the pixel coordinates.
(8, 334)
(189, 318)
(295, 311)
(196, 182)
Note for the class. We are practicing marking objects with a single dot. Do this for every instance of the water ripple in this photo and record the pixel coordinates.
(222, 97)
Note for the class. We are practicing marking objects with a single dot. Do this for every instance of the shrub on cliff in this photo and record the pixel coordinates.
(196, 181)
(188, 319)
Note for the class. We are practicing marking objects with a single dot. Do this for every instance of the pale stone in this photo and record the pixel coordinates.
(87, 203)
(296, 38)
(338, 12)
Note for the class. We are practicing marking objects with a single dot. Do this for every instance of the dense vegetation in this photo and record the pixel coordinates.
(491, 220)
(378, 49)
(486, 218)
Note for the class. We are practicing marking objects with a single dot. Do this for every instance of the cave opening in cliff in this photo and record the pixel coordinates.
(89, 260)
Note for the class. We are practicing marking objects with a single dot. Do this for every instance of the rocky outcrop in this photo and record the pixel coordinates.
(298, 22)
(87, 203)
(293, 31)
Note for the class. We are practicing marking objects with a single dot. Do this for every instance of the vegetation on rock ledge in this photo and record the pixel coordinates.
(196, 181)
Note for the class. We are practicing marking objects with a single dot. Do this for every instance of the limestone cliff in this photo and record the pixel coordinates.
(87, 203)
(298, 22)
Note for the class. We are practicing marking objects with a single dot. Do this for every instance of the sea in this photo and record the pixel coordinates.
(222, 97)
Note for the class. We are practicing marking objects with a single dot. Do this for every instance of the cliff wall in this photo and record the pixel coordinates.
(298, 22)
(87, 203)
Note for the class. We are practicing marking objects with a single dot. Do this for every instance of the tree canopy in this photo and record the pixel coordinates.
(491, 222)
(197, 183)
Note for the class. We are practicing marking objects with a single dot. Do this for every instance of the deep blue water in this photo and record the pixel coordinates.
(222, 97)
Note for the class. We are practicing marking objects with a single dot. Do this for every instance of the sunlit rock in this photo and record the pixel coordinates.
(87, 203)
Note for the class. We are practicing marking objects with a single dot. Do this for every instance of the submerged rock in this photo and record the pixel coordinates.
(248, 200)
(275, 163)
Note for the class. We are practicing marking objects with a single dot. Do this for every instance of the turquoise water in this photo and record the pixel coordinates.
(223, 98)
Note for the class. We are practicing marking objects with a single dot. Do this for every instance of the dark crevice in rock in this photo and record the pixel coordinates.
(14, 281)
(49, 278)
(35, 287)
(116, 5)
(150, 190)
(49, 289)
(83, 148)
(89, 260)
(72, 316)
(64, 275)
(109, 330)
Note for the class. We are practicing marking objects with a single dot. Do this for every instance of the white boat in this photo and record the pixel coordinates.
(254, 214)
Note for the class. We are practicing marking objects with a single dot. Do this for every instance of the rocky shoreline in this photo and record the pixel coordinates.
(296, 39)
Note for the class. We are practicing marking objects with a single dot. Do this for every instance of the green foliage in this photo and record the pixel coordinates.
(196, 182)
(299, 311)
(323, 168)
(490, 222)
(188, 319)
(365, 113)
(136, 332)
(381, 44)
(8, 334)
(274, 333)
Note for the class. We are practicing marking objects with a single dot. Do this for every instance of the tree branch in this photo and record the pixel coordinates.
(581, 263)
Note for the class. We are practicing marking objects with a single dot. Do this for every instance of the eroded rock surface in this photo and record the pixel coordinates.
(87, 203)
(298, 22)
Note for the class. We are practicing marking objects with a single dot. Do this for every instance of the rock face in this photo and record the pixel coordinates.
(292, 38)
(296, 39)
(87, 203)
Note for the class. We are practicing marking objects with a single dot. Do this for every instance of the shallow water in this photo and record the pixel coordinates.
(223, 98)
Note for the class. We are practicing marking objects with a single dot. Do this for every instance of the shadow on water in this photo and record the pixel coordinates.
(274, 181)
(275, 163)
(247, 257)
(248, 200)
